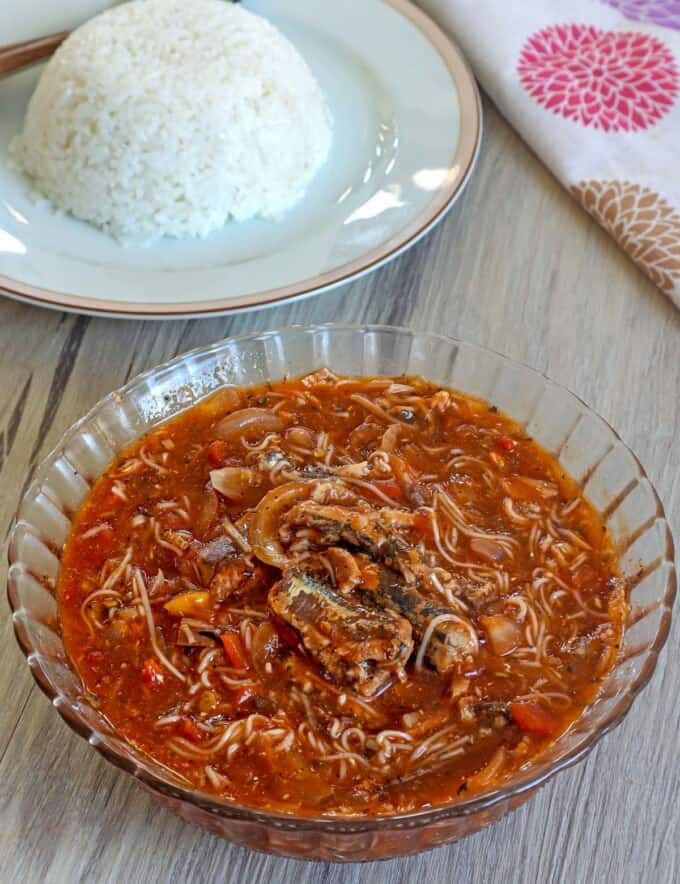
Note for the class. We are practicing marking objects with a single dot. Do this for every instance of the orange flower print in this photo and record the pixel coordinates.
(641, 221)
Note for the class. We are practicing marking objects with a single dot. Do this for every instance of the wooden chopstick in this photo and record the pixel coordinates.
(20, 55)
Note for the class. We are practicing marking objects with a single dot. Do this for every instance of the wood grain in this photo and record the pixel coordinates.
(516, 266)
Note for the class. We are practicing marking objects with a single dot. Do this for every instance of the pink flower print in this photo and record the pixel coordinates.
(605, 79)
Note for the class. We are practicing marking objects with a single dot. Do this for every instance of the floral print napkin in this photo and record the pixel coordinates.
(593, 86)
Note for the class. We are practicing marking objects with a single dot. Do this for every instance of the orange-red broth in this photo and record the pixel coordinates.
(499, 711)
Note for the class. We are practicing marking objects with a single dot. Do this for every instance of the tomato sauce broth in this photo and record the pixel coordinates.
(340, 596)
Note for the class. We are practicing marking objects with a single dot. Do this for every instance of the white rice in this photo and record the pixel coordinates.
(172, 117)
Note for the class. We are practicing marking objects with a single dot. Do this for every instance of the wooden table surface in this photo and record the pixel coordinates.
(515, 266)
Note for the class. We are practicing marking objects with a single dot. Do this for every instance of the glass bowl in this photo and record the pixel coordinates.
(586, 445)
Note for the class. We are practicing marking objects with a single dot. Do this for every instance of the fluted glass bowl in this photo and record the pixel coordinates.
(586, 445)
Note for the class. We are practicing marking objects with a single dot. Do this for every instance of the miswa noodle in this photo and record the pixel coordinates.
(340, 596)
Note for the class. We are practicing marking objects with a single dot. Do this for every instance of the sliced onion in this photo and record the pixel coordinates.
(207, 511)
(403, 472)
(249, 421)
(264, 529)
(264, 647)
(487, 549)
(302, 437)
(390, 437)
(220, 403)
(503, 634)
(232, 482)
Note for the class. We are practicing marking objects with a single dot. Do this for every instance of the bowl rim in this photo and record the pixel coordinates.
(527, 781)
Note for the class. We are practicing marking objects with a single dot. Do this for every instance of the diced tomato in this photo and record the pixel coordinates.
(187, 728)
(534, 718)
(233, 648)
(152, 672)
(217, 452)
(391, 489)
(243, 696)
(422, 524)
(507, 443)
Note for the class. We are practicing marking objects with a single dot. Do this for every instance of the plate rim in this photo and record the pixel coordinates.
(461, 167)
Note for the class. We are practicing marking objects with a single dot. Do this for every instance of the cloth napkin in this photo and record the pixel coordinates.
(593, 86)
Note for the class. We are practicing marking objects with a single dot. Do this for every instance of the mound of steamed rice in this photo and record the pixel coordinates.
(172, 117)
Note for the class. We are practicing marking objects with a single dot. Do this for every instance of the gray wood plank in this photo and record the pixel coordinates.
(515, 266)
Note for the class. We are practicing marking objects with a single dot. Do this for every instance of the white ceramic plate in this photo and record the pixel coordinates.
(407, 126)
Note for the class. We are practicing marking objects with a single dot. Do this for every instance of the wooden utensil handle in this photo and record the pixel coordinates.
(20, 55)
